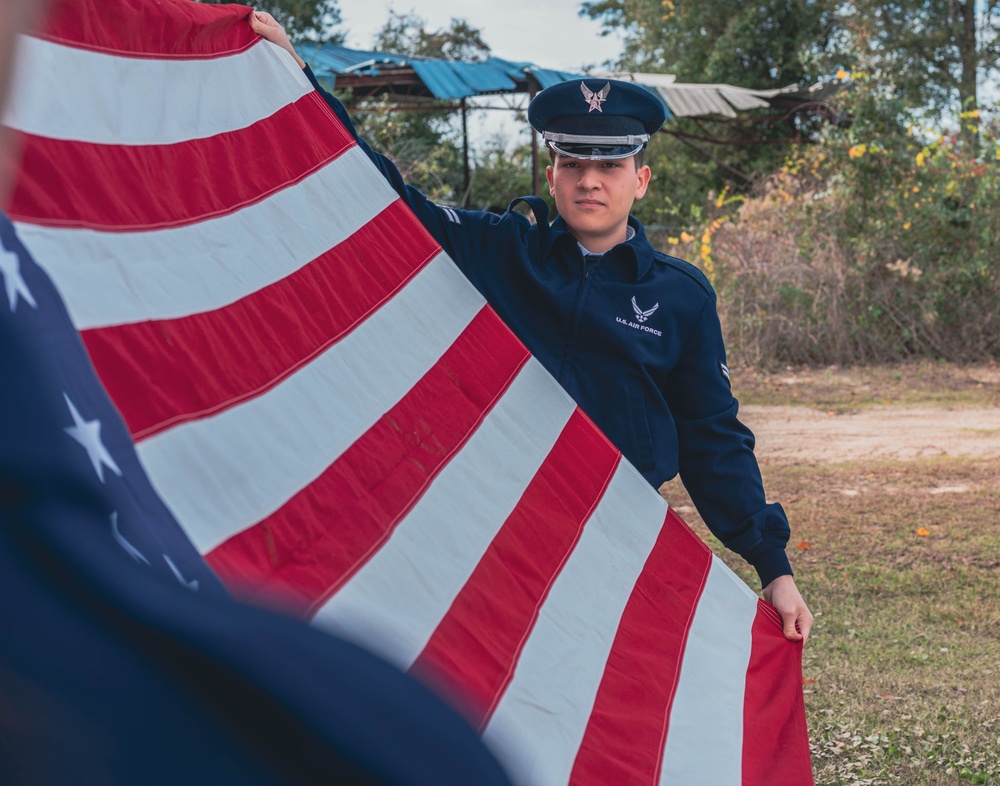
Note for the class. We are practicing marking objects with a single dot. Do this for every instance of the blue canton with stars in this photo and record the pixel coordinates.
(90, 432)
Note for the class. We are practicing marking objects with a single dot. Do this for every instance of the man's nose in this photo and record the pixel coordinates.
(588, 178)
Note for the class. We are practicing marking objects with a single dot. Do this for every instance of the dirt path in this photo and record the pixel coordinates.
(788, 434)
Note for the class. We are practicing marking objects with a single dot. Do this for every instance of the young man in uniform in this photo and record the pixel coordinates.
(632, 334)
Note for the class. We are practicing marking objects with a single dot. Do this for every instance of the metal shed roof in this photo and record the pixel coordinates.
(447, 79)
(443, 79)
(328, 59)
(404, 76)
(689, 100)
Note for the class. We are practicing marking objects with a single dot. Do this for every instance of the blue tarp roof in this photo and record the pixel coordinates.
(329, 59)
(446, 79)
(450, 80)
(443, 79)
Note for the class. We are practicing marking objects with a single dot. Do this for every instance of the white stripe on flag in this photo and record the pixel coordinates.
(540, 721)
(705, 734)
(396, 601)
(223, 474)
(115, 278)
(194, 99)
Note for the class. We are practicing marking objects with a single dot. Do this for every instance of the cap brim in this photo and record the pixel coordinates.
(595, 152)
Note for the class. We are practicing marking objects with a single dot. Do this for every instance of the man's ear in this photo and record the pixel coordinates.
(548, 176)
(644, 173)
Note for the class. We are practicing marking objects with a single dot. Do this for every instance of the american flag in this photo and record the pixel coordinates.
(345, 430)
(122, 656)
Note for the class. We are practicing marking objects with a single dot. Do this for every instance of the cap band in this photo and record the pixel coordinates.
(603, 141)
(596, 153)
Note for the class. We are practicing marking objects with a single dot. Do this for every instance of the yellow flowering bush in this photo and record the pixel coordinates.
(878, 244)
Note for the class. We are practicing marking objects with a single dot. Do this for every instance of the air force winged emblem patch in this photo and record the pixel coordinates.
(595, 99)
(640, 315)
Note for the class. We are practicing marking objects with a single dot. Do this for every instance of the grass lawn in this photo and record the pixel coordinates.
(900, 563)
(845, 389)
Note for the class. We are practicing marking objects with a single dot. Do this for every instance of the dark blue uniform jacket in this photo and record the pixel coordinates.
(635, 340)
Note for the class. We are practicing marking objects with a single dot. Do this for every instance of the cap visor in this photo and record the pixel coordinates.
(596, 152)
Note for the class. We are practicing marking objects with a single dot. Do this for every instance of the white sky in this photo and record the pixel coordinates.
(549, 33)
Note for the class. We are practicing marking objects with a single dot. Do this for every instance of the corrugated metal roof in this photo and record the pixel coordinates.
(328, 59)
(546, 77)
(446, 79)
(688, 99)
(443, 78)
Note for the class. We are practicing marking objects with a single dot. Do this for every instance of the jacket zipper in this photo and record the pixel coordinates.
(581, 296)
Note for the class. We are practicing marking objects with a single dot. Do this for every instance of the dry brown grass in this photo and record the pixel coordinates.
(844, 388)
(900, 562)
(809, 271)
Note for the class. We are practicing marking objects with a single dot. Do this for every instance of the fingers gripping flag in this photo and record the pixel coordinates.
(341, 426)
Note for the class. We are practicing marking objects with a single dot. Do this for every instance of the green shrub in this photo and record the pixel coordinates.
(879, 244)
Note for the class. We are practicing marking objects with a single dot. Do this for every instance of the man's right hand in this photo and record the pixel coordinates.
(796, 618)
(267, 27)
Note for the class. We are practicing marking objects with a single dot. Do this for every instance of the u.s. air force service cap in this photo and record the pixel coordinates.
(596, 118)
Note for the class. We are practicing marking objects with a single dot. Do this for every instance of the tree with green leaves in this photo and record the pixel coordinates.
(423, 140)
(407, 34)
(764, 44)
(932, 54)
(760, 44)
(502, 172)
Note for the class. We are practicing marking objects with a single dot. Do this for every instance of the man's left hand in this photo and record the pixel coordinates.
(267, 27)
(796, 618)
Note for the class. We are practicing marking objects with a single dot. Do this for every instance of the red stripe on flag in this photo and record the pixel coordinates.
(625, 735)
(774, 714)
(514, 577)
(304, 552)
(297, 318)
(107, 187)
(168, 29)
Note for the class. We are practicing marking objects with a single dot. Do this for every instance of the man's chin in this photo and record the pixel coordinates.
(587, 225)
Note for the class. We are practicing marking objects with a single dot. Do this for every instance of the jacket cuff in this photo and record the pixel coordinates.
(772, 564)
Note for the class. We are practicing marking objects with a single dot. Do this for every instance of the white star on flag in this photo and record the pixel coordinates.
(131, 550)
(191, 585)
(88, 434)
(10, 268)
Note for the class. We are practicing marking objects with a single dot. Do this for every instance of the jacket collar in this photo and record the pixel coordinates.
(636, 252)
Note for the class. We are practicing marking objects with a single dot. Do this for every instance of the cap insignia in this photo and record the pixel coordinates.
(595, 99)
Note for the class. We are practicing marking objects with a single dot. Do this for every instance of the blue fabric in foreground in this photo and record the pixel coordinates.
(122, 659)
